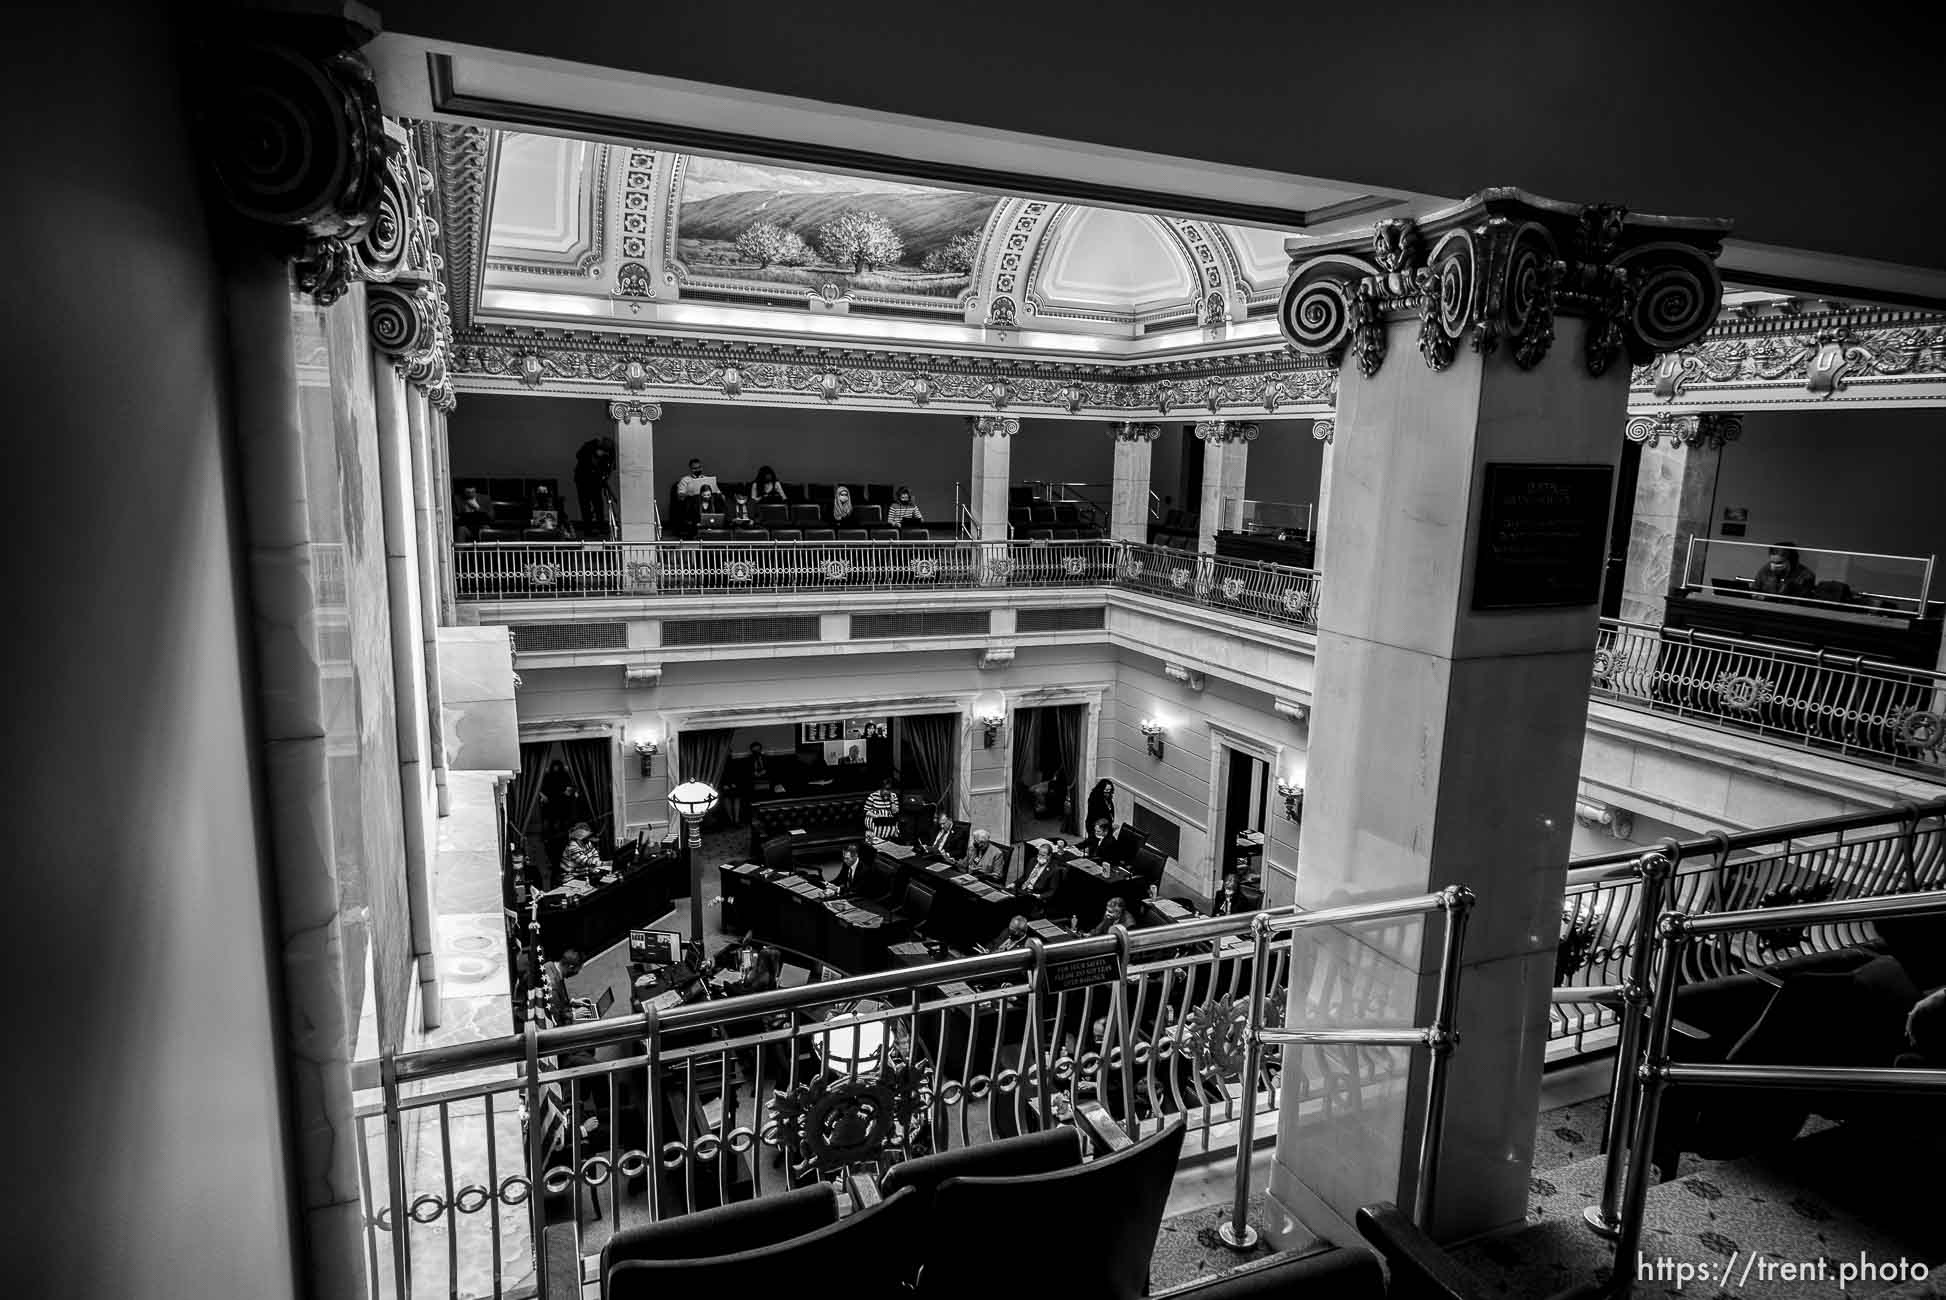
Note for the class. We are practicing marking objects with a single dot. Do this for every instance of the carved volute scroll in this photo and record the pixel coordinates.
(1497, 270)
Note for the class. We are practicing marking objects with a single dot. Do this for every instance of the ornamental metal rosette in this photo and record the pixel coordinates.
(1498, 270)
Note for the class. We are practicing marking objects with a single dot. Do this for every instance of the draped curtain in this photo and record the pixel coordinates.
(594, 780)
(524, 800)
(1068, 722)
(1027, 745)
(705, 755)
(931, 746)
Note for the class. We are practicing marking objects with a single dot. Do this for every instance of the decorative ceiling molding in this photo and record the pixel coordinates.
(590, 202)
(458, 156)
(604, 365)
(1882, 356)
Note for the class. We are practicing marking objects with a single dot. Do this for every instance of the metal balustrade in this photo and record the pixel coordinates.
(1884, 714)
(1602, 966)
(489, 1166)
(572, 570)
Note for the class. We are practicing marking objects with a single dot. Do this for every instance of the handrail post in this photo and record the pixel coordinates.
(388, 1074)
(1440, 1040)
(537, 1159)
(1124, 1031)
(1650, 1082)
(1237, 1234)
(1653, 871)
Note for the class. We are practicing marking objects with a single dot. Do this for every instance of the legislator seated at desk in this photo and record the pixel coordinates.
(985, 859)
(1046, 877)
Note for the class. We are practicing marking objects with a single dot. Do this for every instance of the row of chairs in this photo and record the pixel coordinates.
(940, 1226)
(1056, 515)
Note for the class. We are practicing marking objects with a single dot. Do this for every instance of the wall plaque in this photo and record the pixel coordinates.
(1543, 536)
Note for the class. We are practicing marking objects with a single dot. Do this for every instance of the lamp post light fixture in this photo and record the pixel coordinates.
(646, 751)
(1293, 798)
(692, 801)
(1153, 730)
(990, 711)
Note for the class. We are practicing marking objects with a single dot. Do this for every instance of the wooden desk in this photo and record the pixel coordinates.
(603, 917)
(1089, 886)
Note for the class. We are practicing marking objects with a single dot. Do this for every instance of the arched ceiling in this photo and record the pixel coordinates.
(568, 233)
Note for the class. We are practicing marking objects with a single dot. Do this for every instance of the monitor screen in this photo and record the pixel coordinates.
(655, 947)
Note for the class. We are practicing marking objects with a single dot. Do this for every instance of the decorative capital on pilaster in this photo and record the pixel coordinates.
(1227, 430)
(297, 144)
(1711, 428)
(1324, 430)
(992, 426)
(1129, 431)
(1501, 266)
(635, 412)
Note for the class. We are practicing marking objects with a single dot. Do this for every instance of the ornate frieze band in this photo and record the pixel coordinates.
(1499, 268)
(1711, 428)
(992, 426)
(635, 412)
(1823, 354)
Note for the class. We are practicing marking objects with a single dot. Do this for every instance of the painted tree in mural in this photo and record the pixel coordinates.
(956, 256)
(769, 244)
(859, 238)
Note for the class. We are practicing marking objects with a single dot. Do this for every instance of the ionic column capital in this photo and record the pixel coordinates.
(1227, 430)
(635, 412)
(1500, 267)
(1324, 430)
(1709, 428)
(992, 426)
(1131, 431)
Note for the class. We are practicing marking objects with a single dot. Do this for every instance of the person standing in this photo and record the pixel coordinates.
(1101, 802)
(882, 812)
(593, 463)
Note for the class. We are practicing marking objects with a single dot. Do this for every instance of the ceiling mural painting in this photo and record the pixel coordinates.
(828, 234)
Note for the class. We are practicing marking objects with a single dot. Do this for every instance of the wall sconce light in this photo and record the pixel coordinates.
(1153, 730)
(1293, 799)
(990, 711)
(646, 751)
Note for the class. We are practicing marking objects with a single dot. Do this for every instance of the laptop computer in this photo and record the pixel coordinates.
(605, 1001)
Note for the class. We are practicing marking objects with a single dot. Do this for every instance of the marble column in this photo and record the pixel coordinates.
(442, 514)
(1674, 491)
(1471, 484)
(1226, 458)
(1325, 431)
(635, 469)
(991, 473)
(1128, 514)
(390, 399)
(429, 543)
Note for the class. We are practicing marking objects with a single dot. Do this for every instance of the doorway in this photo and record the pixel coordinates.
(548, 801)
(1046, 768)
(1244, 790)
(1620, 524)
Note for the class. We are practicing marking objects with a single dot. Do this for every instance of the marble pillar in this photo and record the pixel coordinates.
(991, 473)
(1471, 481)
(1326, 432)
(442, 513)
(635, 469)
(428, 542)
(1674, 492)
(1128, 516)
(391, 398)
(1226, 458)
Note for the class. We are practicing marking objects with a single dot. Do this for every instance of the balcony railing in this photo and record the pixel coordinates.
(569, 570)
(480, 1157)
(1884, 714)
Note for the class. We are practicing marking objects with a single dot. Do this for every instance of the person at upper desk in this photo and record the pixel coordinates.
(1114, 914)
(1784, 574)
(984, 858)
(1044, 879)
(581, 857)
(1100, 844)
(882, 812)
(1229, 901)
(940, 840)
